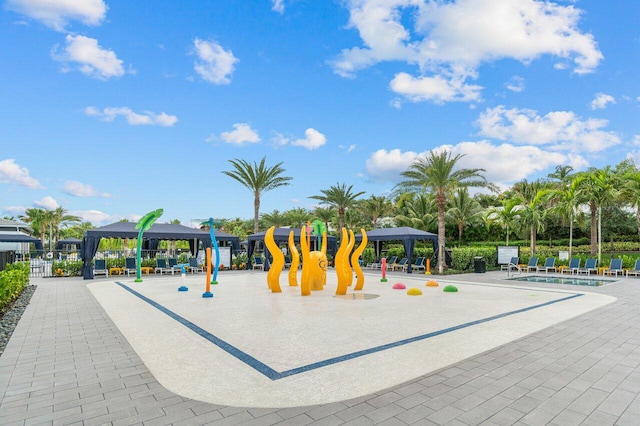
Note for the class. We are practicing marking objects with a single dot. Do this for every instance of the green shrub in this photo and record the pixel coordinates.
(13, 280)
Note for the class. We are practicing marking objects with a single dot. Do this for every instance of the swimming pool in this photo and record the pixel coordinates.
(561, 280)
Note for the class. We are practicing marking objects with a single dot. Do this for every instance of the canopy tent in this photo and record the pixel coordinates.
(281, 235)
(71, 243)
(406, 234)
(21, 238)
(159, 231)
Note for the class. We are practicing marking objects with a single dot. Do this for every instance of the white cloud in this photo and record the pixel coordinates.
(92, 60)
(96, 217)
(133, 118)
(450, 40)
(438, 89)
(557, 130)
(10, 172)
(349, 148)
(78, 189)
(14, 210)
(242, 134)
(515, 84)
(215, 65)
(313, 139)
(57, 13)
(497, 160)
(278, 6)
(602, 100)
(47, 203)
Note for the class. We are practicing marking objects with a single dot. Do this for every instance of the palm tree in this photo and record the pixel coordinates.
(565, 203)
(341, 198)
(436, 173)
(598, 188)
(297, 217)
(464, 211)
(325, 214)
(375, 208)
(275, 218)
(507, 215)
(61, 218)
(562, 174)
(258, 178)
(417, 211)
(533, 215)
(39, 219)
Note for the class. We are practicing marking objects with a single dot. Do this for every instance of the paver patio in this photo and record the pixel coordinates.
(67, 363)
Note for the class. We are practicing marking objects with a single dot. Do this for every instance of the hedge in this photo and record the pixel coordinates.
(13, 281)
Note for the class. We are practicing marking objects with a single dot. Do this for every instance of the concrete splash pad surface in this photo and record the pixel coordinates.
(247, 346)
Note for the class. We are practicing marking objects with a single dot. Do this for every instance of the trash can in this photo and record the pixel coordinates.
(479, 265)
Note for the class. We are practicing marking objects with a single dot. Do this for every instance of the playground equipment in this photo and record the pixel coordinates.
(383, 267)
(295, 262)
(143, 225)
(273, 276)
(207, 293)
(211, 224)
(183, 275)
(314, 265)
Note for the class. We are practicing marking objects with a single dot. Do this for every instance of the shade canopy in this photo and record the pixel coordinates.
(21, 238)
(158, 231)
(69, 242)
(281, 235)
(406, 234)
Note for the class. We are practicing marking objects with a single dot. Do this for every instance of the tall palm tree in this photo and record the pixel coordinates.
(297, 217)
(533, 212)
(464, 210)
(436, 173)
(375, 208)
(275, 218)
(40, 220)
(341, 198)
(507, 215)
(598, 188)
(62, 218)
(565, 201)
(258, 178)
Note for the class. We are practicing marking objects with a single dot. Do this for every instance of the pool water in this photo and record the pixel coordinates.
(561, 280)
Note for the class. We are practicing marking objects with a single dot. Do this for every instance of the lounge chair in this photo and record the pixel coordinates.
(130, 265)
(193, 265)
(390, 262)
(636, 269)
(173, 265)
(161, 266)
(549, 264)
(257, 263)
(419, 265)
(100, 268)
(574, 266)
(615, 267)
(513, 264)
(402, 265)
(591, 265)
(287, 262)
(532, 265)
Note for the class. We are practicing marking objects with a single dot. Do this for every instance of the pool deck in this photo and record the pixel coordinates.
(68, 363)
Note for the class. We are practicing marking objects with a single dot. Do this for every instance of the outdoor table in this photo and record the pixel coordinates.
(115, 271)
(146, 269)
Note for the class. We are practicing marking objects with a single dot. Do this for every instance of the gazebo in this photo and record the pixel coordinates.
(406, 234)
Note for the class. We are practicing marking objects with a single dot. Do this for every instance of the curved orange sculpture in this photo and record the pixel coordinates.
(355, 257)
(273, 276)
(295, 262)
(347, 261)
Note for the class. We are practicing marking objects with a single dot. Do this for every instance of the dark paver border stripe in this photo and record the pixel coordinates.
(276, 375)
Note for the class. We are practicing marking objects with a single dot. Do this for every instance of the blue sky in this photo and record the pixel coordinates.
(112, 109)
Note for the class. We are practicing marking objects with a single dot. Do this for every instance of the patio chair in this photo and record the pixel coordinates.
(173, 265)
(193, 265)
(402, 265)
(258, 263)
(615, 267)
(130, 265)
(549, 264)
(287, 262)
(100, 268)
(419, 265)
(532, 265)
(513, 264)
(376, 264)
(161, 266)
(636, 269)
(591, 265)
(390, 262)
(574, 266)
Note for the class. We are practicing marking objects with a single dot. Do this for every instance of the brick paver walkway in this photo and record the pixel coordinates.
(68, 364)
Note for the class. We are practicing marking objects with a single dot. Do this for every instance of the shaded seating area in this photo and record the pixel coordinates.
(402, 265)
(258, 263)
(193, 265)
(161, 266)
(407, 236)
(151, 237)
(100, 268)
(420, 264)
